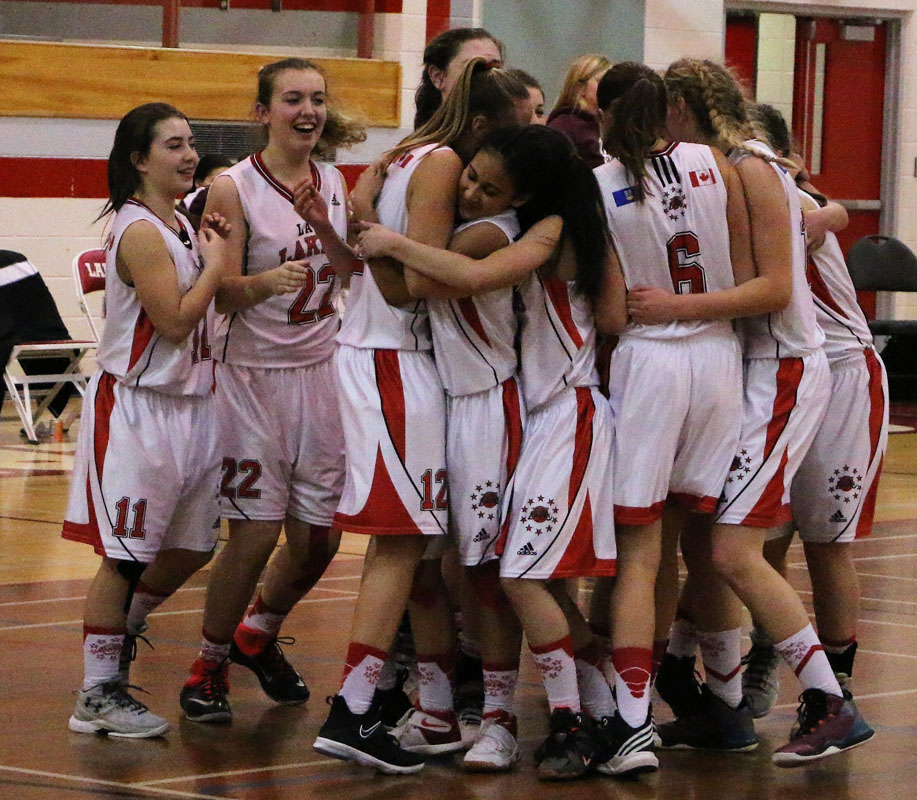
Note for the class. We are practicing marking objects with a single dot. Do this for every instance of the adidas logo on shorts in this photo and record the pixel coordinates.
(481, 536)
(837, 516)
(526, 550)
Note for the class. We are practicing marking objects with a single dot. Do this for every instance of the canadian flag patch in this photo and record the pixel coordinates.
(703, 178)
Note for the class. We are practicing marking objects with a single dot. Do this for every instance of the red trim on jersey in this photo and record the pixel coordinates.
(384, 511)
(470, 313)
(637, 515)
(770, 510)
(582, 441)
(667, 150)
(693, 502)
(391, 396)
(143, 334)
(820, 288)
(104, 404)
(789, 376)
(133, 201)
(512, 420)
(276, 184)
(876, 420)
(559, 295)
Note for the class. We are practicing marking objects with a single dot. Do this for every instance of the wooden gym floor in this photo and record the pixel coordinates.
(266, 753)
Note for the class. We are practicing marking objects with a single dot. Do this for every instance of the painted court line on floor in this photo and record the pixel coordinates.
(136, 787)
(321, 762)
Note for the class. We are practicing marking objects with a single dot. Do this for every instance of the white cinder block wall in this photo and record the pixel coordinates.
(776, 55)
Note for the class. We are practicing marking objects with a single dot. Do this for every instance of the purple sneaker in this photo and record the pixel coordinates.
(827, 724)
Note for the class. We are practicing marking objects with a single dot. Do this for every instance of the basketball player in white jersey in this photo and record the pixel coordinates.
(833, 493)
(393, 411)
(679, 222)
(275, 364)
(144, 484)
(557, 520)
(786, 391)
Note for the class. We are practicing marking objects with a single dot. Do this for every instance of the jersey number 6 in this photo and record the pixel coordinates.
(686, 271)
(297, 314)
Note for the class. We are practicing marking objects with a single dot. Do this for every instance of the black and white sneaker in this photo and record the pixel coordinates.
(567, 752)
(631, 748)
(277, 676)
(364, 739)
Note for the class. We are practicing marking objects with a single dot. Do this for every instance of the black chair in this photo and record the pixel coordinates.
(884, 264)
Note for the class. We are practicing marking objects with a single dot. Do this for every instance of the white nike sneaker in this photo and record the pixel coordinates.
(495, 749)
(430, 733)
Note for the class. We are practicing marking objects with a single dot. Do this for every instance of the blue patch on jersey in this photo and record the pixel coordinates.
(624, 196)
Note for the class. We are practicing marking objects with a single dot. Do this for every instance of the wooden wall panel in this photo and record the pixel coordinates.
(104, 82)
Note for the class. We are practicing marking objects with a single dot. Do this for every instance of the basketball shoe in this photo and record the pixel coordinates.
(826, 725)
(108, 708)
(203, 697)
(677, 685)
(760, 680)
(628, 751)
(277, 676)
(716, 726)
(496, 748)
(567, 752)
(430, 732)
(364, 739)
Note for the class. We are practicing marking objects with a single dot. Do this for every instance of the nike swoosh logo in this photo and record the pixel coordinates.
(365, 733)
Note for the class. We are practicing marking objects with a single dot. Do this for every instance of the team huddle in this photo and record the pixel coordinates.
(511, 367)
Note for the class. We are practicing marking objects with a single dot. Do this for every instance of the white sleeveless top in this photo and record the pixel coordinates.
(289, 330)
(131, 349)
(370, 321)
(677, 238)
(836, 308)
(792, 331)
(474, 337)
(557, 339)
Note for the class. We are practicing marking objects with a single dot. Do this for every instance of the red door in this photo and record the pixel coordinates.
(842, 68)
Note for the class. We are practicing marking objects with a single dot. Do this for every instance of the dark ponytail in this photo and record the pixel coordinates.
(134, 135)
(542, 163)
(633, 99)
(439, 53)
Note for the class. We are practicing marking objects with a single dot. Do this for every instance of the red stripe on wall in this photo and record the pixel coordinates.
(382, 6)
(53, 177)
(438, 12)
(80, 177)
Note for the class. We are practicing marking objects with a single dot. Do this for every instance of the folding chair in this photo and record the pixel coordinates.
(89, 276)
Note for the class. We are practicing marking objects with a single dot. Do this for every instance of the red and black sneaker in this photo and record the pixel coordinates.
(826, 725)
(568, 751)
(277, 676)
(203, 697)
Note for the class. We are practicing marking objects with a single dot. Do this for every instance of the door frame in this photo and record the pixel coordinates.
(890, 178)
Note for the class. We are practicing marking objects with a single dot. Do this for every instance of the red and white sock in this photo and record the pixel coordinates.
(388, 677)
(144, 602)
(101, 654)
(558, 673)
(260, 624)
(213, 649)
(804, 653)
(499, 687)
(594, 691)
(721, 652)
(682, 638)
(361, 675)
(632, 667)
(435, 681)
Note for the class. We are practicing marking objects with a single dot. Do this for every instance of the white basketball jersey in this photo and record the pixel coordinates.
(792, 331)
(131, 349)
(836, 308)
(677, 238)
(474, 338)
(370, 321)
(289, 330)
(557, 341)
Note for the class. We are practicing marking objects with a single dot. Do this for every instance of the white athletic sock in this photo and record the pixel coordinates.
(143, 603)
(101, 655)
(216, 652)
(682, 638)
(558, 673)
(632, 667)
(361, 674)
(499, 687)
(261, 617)
(721, 652)
(804, 653)
(435, 682)
(594, 691)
